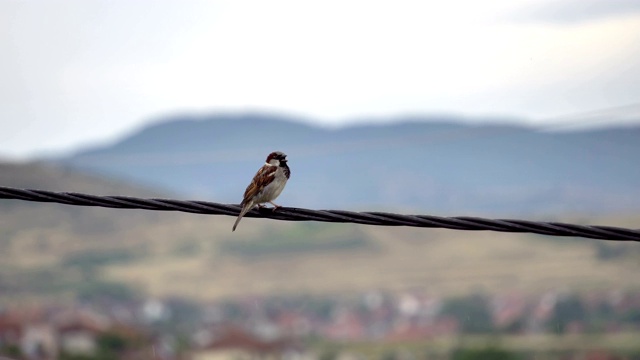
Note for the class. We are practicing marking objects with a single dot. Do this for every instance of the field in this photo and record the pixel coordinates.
(53, 250)
(541, 346)
(441, 262)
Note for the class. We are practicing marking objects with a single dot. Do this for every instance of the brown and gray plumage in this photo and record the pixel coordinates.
(266, 185)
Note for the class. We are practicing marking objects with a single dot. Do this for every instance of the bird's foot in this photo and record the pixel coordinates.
(275, 206)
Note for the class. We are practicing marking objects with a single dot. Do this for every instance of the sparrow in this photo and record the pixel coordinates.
(266, 185)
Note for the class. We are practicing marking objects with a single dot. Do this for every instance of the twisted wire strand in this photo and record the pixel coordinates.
(336, 216)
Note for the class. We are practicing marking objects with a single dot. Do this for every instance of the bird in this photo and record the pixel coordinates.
(266, 185)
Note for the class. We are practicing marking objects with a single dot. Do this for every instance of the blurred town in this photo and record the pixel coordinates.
(305, 327)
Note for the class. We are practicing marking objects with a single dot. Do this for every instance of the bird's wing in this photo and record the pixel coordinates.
(263, 177)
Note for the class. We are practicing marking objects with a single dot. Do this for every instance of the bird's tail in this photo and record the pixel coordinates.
(245, 209)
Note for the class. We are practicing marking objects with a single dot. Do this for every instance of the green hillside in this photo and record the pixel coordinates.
(63, 252)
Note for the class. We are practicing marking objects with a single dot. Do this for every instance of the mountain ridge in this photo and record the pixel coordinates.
(443, 165)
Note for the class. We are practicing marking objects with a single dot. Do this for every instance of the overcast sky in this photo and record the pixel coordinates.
(76, 72)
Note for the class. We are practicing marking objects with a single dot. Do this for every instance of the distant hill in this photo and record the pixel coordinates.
(55, 178)
(54, 251)
(438, 165)
(37, 239)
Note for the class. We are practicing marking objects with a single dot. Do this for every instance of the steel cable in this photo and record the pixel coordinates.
(335, 216)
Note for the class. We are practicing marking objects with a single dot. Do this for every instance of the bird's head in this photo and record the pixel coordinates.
(277, 158)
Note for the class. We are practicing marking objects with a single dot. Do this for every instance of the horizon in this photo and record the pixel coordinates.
(568, 125)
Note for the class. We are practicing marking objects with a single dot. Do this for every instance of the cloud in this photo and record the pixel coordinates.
(573, 12)
(93, 71)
